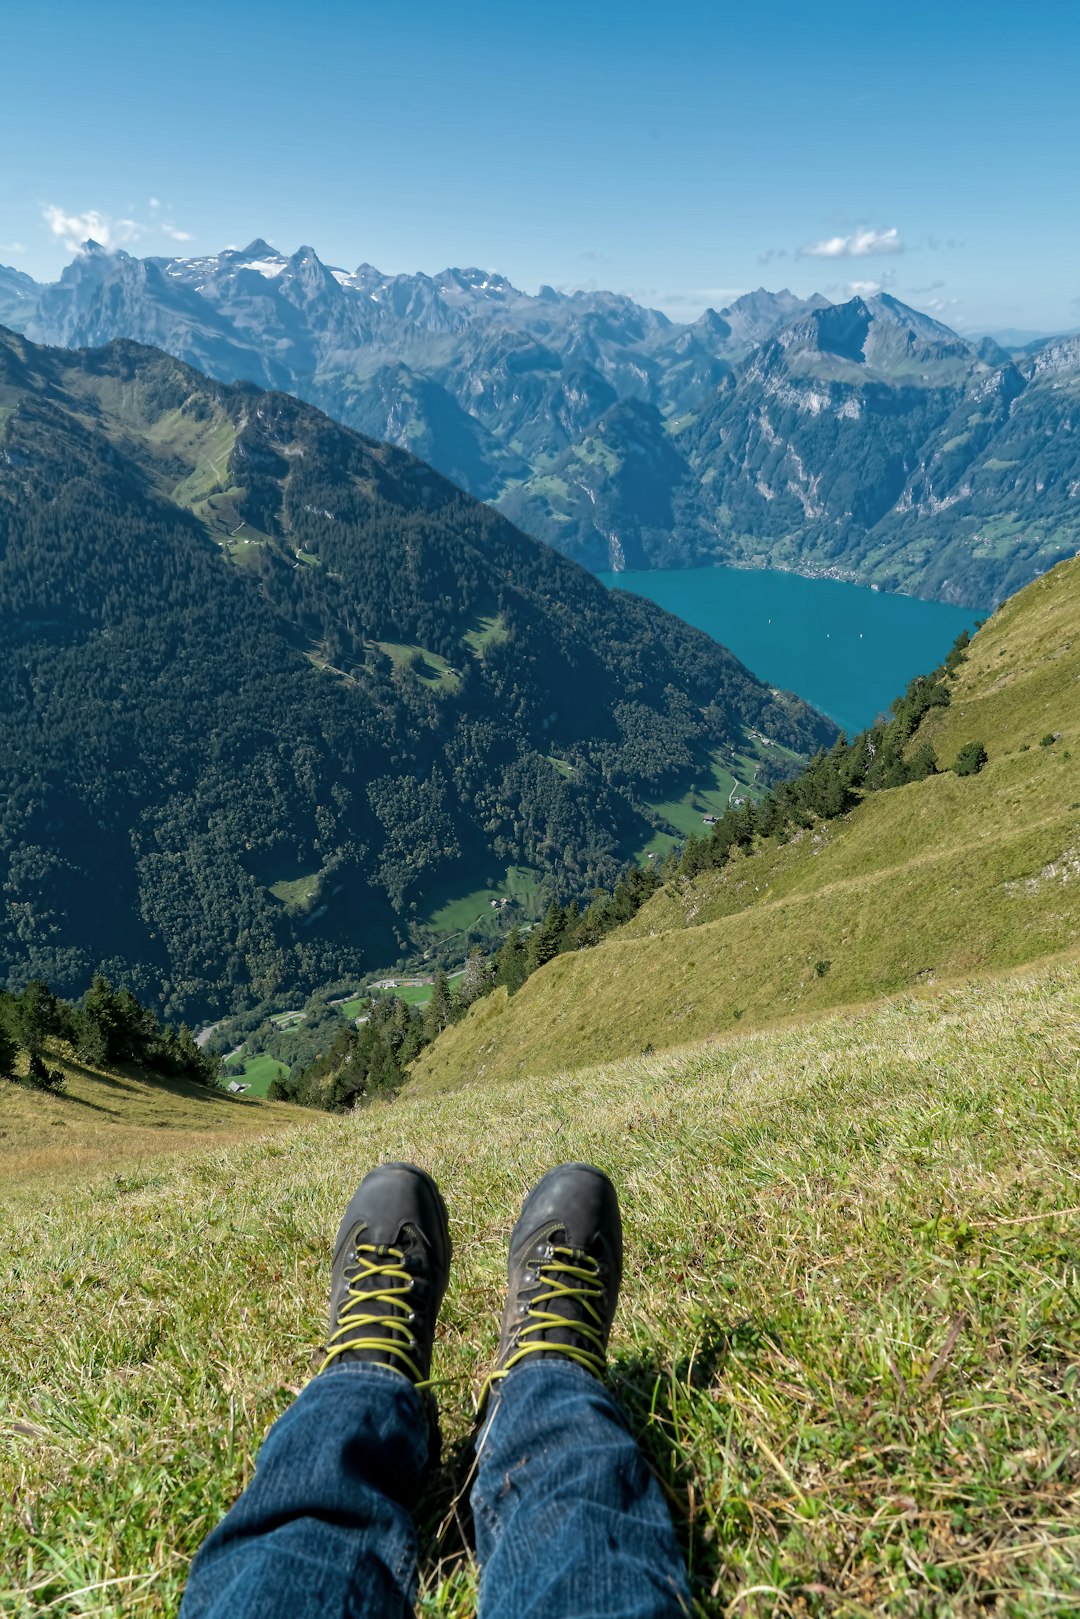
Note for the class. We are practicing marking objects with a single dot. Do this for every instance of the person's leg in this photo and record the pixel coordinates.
(570, 1523)
(324, 1529)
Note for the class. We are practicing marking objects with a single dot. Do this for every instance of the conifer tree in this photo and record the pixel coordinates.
(439, 1008)
(9, 1050)
(510, 968)
(545, 939)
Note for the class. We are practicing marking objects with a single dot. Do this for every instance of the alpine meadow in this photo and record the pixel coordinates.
(539, 813)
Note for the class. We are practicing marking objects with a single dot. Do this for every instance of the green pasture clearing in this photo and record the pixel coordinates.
(427, 666)
(488, 630)
(595, 452)
(354, 1009)
(297, 890)
(707, 794)
(413, 994)
(210, 472)
(450, 911)
(256, 1072)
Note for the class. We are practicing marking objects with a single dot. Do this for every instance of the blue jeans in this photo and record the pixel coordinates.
(570, 1524)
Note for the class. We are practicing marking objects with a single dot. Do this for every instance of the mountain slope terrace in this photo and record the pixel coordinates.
(944, 877)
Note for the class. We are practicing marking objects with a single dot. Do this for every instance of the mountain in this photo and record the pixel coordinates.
(913, 885)
(864, 440)
(273, 695)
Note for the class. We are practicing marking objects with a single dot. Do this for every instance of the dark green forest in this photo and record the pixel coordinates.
(242, 646)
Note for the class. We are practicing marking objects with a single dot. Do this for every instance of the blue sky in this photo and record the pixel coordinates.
(681, 152)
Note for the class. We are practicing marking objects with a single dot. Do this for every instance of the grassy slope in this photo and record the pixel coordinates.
(942, 878)
(117, 1116)
(846, 1337)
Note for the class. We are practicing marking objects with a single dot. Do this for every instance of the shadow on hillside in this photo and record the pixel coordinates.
(130, 1079)
(654, 1393)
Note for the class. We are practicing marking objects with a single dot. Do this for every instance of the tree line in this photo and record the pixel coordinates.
(108, 1026)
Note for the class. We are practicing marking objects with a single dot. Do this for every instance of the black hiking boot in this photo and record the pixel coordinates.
(391, 1267)
(565, 1270)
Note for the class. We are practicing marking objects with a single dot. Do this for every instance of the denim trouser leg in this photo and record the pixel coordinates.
(324, 1530)
(570, 1523)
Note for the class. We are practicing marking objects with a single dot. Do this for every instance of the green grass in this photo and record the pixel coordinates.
(413, 994)
(488, 630)
(709, 790)
(256, 1072)
(848, 1337)
(449, 910)
(105, 1117)
(354, 1009)
(296, 891)
(210, 471)
(427, 666)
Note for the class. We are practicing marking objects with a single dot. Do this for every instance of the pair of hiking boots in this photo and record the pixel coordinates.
(392, 1266)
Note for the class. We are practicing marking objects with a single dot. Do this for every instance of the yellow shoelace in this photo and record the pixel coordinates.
(396, 1336)
(582, 1283)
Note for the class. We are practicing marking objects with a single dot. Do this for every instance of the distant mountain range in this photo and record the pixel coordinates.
(271, 695)
(864, 439)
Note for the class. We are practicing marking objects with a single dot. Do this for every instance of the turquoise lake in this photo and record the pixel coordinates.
(847, 649)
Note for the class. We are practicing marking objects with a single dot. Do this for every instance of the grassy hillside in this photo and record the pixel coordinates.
(846, 1339)
(117, 1116)
(939, 879)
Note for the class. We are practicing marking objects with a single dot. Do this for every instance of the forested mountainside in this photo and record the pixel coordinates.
(863, 439)
(266, 687)
(961, 855)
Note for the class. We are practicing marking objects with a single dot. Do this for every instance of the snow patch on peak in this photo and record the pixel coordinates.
(265, 267)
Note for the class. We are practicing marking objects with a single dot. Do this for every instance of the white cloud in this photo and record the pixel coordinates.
(12, 247)
(858, 244)
(863, 289)
(74, 229)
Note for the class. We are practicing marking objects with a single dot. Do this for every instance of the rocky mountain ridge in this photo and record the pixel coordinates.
(863, 439)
